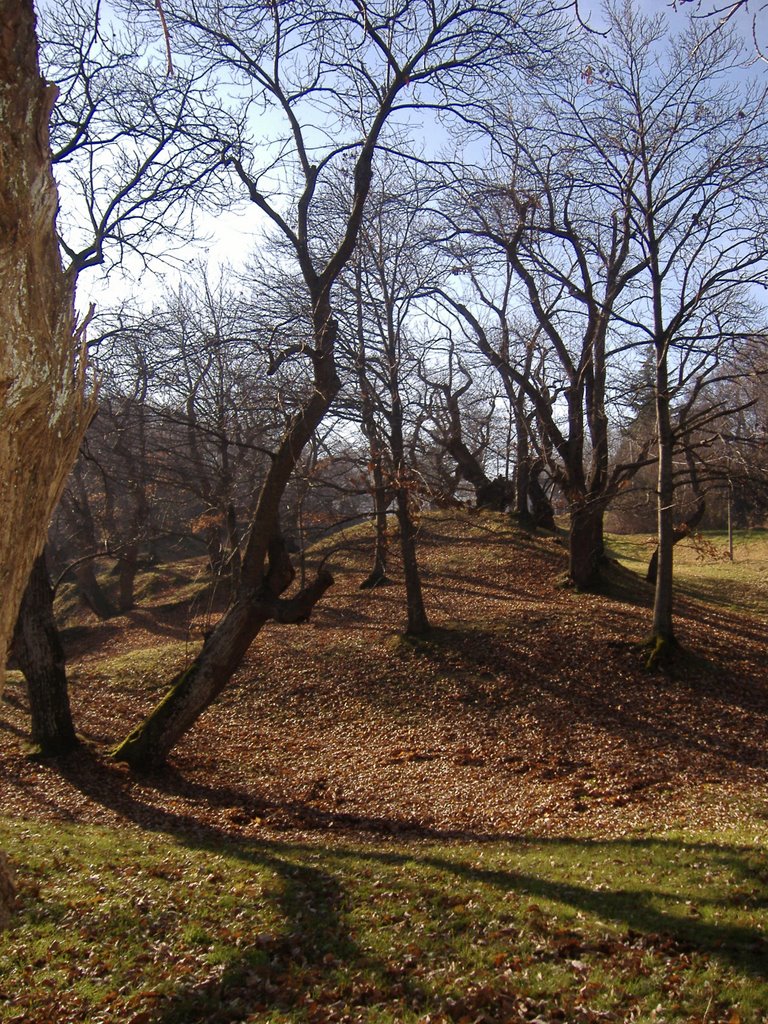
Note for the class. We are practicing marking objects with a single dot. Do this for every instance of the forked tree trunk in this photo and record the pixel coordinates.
(266, 573)
(38, 650)
(42, 409)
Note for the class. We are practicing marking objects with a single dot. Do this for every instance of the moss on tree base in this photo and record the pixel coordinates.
(661, 649)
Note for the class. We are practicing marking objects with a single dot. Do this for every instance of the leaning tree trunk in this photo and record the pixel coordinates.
(266, 573)
(42, 409)
(38, 650)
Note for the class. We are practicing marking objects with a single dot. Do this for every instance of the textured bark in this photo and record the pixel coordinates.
(42, 409)
(38, 650)
(586, 548)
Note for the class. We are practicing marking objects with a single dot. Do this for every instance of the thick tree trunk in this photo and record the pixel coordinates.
(92, 592)
(195, 688)
(586, 546)
(38, 650)
(491, 494)
(42, 410)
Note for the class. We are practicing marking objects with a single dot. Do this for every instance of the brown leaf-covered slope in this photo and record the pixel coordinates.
(527, 711)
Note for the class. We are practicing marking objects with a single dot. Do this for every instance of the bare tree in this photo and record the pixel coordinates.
(697, 211)
(560, 217)
(42, 386)
(337, 80)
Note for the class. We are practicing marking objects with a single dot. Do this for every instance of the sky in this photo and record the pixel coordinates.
(228, 238)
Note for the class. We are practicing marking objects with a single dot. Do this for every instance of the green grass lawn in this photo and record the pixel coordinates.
(703, 568)
(140, 927)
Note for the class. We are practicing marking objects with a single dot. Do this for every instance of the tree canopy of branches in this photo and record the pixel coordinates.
(323, 86)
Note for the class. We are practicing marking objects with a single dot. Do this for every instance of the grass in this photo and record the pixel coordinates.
(150, 928)
(149, 668)
(703, 569)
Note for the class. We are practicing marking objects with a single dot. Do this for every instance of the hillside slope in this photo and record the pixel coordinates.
(526, 712)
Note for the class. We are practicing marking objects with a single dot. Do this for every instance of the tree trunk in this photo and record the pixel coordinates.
(38, 650)
(586, 547)
(417, 623)
(42, 409)
(378, 574)
(662, 634)
(127, 567)
(266, 572)
(683, 530)
(195, 688)
(92, 591)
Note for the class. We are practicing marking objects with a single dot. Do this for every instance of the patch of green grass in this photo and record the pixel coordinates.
(177, 582)
(703, 569)
(149, 667)
(129, 926)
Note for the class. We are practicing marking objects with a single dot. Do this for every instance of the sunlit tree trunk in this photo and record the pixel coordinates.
(662, 633)
(42, 409)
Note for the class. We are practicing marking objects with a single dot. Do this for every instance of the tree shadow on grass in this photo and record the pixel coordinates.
(298, 970)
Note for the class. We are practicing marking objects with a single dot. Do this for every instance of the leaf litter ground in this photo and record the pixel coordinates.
(527, 711)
